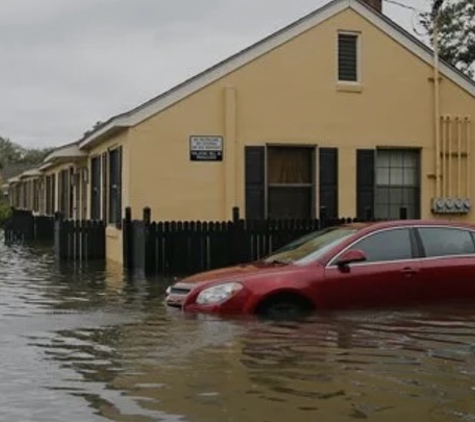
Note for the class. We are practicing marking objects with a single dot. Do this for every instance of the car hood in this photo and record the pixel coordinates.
(237, 273)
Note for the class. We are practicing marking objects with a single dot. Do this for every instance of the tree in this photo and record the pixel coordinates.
(9, 152)
(12, 153)
(456, 29)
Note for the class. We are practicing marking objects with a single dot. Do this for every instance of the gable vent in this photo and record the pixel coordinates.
(347, 57)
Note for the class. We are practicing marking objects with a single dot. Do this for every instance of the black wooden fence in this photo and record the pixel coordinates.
(188, 247)
(74, 240)
(79, 240)
(24, 227)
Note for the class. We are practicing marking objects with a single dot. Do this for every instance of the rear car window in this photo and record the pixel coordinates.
(441, 241)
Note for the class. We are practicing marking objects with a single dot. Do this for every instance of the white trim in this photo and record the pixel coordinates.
(357, 35)
(154, 106)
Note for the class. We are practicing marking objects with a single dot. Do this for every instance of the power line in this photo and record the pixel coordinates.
(405, 6)
(416, 14)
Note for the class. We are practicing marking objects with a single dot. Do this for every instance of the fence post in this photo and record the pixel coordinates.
(59, 237)
(149, 243)
(239, 238)
(236, 217)
(368, 214)
(403, 213)
(323, 217)
(27, 226)
(127, 240)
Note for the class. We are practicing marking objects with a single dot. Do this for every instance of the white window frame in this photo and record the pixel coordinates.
(357, 34)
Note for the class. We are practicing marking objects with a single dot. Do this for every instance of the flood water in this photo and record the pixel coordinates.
(87, 344)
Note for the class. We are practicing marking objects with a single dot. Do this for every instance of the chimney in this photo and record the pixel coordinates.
(376, 4)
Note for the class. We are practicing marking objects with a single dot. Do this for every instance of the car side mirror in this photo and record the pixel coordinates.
(350, 257)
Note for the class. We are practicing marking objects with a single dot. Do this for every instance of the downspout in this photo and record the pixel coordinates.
(437, 109)
(459, 157)
(444, 180)
(230, 151)
(450, 141)
(468, 134)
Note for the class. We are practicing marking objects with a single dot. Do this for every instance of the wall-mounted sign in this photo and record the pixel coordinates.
(206, 148)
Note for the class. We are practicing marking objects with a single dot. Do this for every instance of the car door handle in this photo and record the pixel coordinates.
(408, 271)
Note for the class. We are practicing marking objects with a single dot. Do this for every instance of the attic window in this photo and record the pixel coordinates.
(347, 57)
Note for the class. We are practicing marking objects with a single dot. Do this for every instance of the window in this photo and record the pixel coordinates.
(397, 184)
(348, 57)
(388, 245)
(290, 178)
(446, 241)
(115, 188)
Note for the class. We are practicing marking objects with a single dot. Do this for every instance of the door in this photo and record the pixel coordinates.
(388, 276)
(448, 269)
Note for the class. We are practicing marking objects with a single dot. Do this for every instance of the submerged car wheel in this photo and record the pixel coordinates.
(284, 306)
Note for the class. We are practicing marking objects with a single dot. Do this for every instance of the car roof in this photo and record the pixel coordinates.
(378, 225)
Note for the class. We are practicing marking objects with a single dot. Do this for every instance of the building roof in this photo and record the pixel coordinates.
(66, 152)
(194, 84)
(15, 169)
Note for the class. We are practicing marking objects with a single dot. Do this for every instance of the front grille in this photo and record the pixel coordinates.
(179, 290)
(176, 295)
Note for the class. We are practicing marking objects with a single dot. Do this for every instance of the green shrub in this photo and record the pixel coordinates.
(5, 212)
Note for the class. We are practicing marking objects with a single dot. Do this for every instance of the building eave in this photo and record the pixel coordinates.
(30, 173)
(69, 152)
(45, 166)
(110, 129)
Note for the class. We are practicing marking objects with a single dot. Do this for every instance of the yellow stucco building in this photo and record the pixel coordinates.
(341, 112)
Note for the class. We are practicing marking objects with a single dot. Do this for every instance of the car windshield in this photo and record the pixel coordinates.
(311, 246)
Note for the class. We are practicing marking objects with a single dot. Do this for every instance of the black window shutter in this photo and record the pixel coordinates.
(255, 182)
(347, 57)
(105, 182)
(365, 183)
(119, 189)
(328, 181)
(53, 193)
(95, 188)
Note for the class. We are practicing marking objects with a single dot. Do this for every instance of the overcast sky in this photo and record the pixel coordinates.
(65, 64)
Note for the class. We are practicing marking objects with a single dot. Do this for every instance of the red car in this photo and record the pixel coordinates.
(353, 265)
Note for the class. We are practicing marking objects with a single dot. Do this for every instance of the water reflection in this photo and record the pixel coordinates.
(85, 343)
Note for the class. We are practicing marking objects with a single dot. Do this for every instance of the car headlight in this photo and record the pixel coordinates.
(218, 293)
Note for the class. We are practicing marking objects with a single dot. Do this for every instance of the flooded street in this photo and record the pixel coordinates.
(88, 345)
